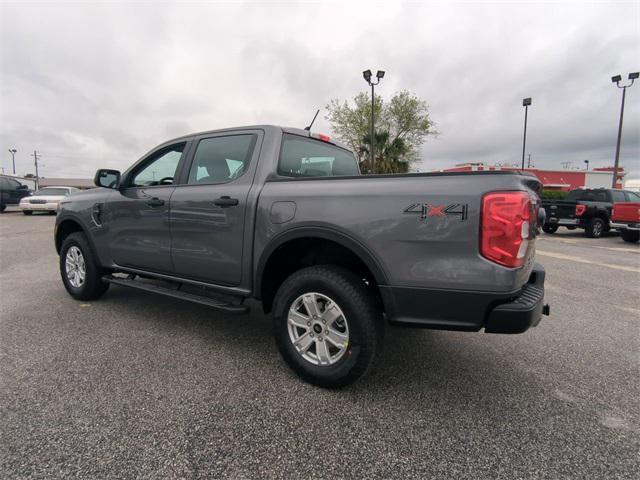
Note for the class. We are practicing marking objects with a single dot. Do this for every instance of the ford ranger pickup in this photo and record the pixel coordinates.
(283, 216)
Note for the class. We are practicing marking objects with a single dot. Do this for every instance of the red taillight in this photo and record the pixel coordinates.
(321, 136)
(580, 209)
(505, 226)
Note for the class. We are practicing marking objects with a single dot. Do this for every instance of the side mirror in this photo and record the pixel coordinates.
(23, 187)
(107, 178)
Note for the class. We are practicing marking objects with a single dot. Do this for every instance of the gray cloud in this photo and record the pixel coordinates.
(98, 85)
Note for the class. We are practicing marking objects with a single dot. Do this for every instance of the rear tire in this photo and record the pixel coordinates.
(345, 351)
(2, 208)
(27, 212)
(595, 228)
(550, 228)
(80, 272)
(630, 236)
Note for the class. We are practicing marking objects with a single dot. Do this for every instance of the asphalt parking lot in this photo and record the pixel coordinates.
(137, 385)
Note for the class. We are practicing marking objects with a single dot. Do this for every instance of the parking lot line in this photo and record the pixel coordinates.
(584, 260)
(587, 245)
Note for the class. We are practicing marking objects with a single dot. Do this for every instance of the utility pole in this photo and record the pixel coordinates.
(529, 161)
(632, 76)
(525, 103)
(35, 156)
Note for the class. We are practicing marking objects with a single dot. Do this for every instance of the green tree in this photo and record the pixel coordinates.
(402, 125)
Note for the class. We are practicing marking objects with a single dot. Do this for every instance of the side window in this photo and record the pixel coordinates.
(632, 197)
(304, 157)
(221, 159)
(4, 184)
(13, 184)
(618, 196)
(160, 169)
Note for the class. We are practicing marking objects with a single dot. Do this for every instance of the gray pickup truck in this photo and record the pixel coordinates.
(283, 216)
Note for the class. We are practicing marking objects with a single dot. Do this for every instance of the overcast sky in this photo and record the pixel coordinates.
(97, 85)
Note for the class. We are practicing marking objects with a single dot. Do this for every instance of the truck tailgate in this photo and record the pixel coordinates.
(626, 212)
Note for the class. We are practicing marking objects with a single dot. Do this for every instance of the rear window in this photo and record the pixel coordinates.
(52, 191)
(588, 195)
(305, 157)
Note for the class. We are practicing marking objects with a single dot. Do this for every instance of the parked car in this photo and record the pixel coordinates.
(626, 218)
(45, 200)
(283, 216)
(589, 209)
(11, 192)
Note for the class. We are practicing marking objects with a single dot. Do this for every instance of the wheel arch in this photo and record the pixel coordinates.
(68, 226)
(349, 251)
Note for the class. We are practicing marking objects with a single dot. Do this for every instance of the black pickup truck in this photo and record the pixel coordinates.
(588, 208)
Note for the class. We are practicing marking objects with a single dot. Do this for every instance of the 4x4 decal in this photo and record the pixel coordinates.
(428, 210)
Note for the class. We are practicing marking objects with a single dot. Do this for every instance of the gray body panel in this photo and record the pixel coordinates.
(433, 252)
(191, 240)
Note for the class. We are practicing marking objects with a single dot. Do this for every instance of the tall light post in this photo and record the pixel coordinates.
(367, 76)
(587, 162)
(525, 103)
(13, 151)
(617, 79)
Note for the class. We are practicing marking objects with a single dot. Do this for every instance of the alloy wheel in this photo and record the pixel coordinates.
(75, 267)
(318, 329)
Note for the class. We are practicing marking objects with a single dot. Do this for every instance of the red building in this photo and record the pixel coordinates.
(557, 179)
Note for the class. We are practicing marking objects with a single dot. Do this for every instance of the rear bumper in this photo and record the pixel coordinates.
(566, 222)
(468, 311)
(626, 226)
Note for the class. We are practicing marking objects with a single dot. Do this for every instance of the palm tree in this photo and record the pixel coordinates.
(390, 155)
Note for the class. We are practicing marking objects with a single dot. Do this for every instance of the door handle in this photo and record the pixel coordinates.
(155, 202)
(226, 202)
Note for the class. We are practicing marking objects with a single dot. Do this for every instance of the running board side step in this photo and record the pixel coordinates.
(170, 292)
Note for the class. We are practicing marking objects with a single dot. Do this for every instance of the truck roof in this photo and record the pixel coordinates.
(293, 130)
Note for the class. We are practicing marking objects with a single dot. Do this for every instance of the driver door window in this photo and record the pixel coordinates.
(161, 169)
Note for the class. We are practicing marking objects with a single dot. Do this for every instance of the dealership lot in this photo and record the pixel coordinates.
(142, 385)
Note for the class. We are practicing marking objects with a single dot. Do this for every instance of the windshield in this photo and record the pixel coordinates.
(52, 191)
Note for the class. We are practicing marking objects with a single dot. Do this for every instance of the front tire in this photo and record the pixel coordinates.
(630, 236)
(595, 228)
(550, 228)
(327, 325)
(81, 275)
(27, 212)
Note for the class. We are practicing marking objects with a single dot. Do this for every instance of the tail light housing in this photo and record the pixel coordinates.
(580, 209)
(506, 226)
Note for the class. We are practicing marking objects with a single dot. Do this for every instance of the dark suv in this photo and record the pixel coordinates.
(11, 192)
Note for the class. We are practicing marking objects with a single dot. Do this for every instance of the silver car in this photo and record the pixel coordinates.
(45, 200)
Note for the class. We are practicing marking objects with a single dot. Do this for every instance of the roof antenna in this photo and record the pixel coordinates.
(314, 119)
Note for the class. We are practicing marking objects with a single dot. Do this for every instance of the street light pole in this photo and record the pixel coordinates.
(372, 149)
(587, 162)
(616, 80)
(525, 103)
(13, 151)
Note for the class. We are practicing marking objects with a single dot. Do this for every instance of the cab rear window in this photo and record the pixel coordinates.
(306, 157)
